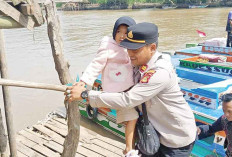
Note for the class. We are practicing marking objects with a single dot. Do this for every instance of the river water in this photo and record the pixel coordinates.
(29, 54)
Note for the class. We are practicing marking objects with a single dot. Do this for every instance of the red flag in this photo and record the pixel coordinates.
(201, 34)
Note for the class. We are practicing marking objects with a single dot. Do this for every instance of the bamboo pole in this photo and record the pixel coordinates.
(62, 67)
(6, 98)
(6, 82)
(3, 139)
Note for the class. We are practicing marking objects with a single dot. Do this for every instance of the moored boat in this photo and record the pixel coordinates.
(202, 84)
(197, 6)
(169, 6)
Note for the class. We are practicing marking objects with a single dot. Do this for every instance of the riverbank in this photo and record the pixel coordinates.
(92, 6)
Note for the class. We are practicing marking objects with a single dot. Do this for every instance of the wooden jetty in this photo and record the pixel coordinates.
(46, 139)
(20, 14)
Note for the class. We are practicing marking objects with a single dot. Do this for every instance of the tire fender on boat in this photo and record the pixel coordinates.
(91, 112)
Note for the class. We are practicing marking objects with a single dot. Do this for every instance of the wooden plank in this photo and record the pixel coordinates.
(45, 151)
(25, 150)
(87, 152)
(58, 124)
(25, 9)
(35, 146)
(7, 98)
(37, 134)
(48, 132)
(57, 147)
(112, 142)
(54, 146)
(7, 82)
(46, 139)
(31, 137)
(29, 144)
(3, 136)
(80, 150)
(80, 155)
(85, 134)
(61, 120)
(109, 147)
(25, 141)
(37, 12)
(57, 138)
(56, 129)
(16, 15)
(21, 154)
(100, 150)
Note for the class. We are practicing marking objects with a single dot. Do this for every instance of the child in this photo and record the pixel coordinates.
(114, 63)
(222, 123)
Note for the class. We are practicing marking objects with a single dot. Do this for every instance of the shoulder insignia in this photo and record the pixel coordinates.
(146, 77)
(143, 68)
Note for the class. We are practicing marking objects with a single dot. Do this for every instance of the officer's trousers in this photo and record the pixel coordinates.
(173, 152)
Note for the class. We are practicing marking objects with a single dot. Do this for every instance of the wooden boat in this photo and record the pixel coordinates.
(169, 6)
(197, 6)
(201, 84)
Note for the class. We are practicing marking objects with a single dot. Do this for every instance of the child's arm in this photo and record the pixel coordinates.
(95, 67)
(208, 130)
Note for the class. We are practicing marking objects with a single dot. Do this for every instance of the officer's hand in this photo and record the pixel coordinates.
(74, 92)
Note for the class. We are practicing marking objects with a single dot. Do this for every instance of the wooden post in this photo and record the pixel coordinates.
(6, 98)
(37, 12)
(3, 139)
(62, 67)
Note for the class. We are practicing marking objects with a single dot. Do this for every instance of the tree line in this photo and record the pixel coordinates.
(126, 3)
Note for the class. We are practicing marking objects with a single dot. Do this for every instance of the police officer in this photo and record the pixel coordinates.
(155, 84)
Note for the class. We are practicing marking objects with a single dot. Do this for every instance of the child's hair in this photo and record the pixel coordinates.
(227, 97)
(124, 20)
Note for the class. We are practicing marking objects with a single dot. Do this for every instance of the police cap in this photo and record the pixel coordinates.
(140, 35)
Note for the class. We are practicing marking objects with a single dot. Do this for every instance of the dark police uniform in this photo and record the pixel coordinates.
(158, 87)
